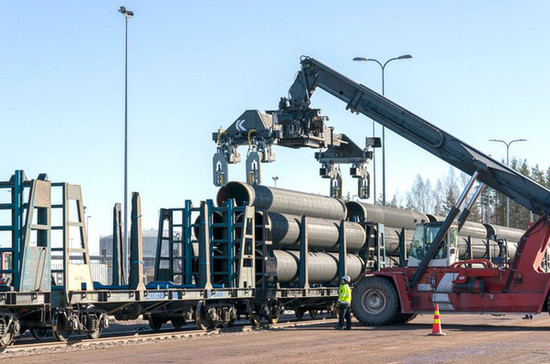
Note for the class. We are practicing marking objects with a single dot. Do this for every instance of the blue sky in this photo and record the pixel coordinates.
(480, 71)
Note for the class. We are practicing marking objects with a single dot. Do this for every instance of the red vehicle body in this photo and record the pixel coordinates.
(397, 294)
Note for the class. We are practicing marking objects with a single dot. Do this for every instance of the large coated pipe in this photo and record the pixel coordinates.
(389, 216)
(283, 201)
(322, 233)
(394, 219)
(322, 267)
(502, 232)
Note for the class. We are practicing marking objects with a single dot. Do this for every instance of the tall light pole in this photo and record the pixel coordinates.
(127, 15)
(383, 67)
(507, 164)
(275, 179)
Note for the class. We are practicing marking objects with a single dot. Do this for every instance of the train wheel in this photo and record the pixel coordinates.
(200, 319)
(39, 333)
(255, 319)
(313, 313)
(299, 312)
(95, 333)
(334, 311)
(375, 301)
(178, 322)
(6, 339)
(273, 320)
(155, 322)
(61, 327)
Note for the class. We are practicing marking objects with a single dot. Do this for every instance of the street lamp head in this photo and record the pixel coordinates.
(127, 13)
(360, 59)
(405, 56)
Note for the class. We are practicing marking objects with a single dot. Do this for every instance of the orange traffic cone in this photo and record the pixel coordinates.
(436, 329)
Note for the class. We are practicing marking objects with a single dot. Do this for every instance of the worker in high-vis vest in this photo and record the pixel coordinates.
(344, 302)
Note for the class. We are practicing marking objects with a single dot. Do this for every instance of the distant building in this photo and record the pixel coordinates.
(149, 239)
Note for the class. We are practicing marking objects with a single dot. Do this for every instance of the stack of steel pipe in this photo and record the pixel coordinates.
(479, 235)
(284, 209)
(394, 219)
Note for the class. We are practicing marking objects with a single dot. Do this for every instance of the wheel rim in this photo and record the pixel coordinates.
(60, 327)
(95, 334)
(255, 319)
(178, 322)
(6, 339)
(374, 301)
(200, 320)
(155, 322)
(39, 332)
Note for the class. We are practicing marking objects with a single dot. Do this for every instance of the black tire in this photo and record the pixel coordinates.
(299, 312)
(405, 317)
(314, 313)
(375, 301)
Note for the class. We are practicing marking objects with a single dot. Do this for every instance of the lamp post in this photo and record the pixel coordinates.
(508, 165)
(383, 67)
(127, 15)
(275, 179)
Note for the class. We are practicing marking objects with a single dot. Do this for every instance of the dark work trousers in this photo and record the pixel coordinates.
(345, 312)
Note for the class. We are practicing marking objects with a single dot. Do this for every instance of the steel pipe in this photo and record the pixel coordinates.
(394, 219)
(322, 267)
(283, 201)
(389, 216)
(322, 233)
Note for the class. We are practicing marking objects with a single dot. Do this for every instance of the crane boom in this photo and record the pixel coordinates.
(359, 98)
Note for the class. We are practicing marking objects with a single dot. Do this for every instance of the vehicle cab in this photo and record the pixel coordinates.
(423, 237)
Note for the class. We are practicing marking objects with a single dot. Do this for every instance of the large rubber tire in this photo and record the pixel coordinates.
(375, 301)
(299, 312)
(403, 318)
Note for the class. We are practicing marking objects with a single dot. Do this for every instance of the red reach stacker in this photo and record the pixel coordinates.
(434, 274)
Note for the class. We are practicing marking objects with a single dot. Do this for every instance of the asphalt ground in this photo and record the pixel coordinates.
(468, 338)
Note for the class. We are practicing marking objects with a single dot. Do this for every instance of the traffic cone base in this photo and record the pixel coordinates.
(436, 328)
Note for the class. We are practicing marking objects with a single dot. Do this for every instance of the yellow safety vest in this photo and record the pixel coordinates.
(344, 294)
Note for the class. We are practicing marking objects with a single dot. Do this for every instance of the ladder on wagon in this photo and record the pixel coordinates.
(25, 234)
(229, 231)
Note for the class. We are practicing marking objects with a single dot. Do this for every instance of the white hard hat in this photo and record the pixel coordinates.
(346, 279)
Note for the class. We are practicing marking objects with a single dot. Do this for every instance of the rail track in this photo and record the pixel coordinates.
(29, 346)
